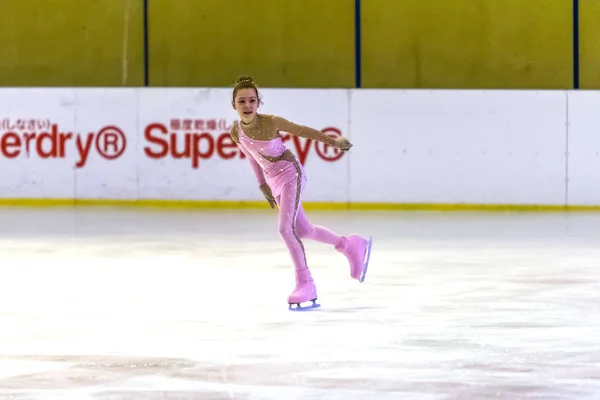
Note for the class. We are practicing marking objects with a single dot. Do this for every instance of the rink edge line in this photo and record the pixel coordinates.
(317, 206)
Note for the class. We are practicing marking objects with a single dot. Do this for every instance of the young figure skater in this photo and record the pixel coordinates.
(281, 179)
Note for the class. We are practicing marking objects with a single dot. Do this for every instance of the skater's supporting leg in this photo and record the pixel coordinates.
(288, 209)
(289, 203)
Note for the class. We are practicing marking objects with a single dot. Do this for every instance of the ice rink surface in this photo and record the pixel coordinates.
(110, 304)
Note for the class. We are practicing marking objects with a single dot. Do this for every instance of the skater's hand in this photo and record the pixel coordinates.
(343, 144)
(266, 191)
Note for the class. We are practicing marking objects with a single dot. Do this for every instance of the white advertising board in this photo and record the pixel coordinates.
(186, 152)
(583, 138)
(410, 146)
(458, 147)
(157, 144)
(34, 161)
(108, 168)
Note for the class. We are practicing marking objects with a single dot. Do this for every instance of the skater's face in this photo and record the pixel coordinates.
(246, 104)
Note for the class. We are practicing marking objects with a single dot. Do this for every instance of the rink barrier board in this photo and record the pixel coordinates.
(436, 149)
(310, 206)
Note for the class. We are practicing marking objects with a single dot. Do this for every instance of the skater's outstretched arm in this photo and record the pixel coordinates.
(282, 124)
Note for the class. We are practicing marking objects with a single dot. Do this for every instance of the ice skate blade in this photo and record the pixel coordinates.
(300, 307)
(361, 278)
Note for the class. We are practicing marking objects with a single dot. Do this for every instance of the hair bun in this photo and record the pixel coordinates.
(245, 79)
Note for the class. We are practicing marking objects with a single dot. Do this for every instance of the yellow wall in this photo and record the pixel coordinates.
(589, 44)
(506, 44)
(299, 43)
(467, 43)
(71, 42)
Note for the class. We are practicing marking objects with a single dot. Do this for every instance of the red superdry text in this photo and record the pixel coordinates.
(163, 143)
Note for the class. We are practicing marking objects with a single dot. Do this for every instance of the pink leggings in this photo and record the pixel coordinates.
(294, 225)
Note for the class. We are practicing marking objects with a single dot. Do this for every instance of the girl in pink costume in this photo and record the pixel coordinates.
(281, 179)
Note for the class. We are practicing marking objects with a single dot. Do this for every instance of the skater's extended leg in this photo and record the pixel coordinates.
(353, 247)
(319, 233)
(289, 203)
